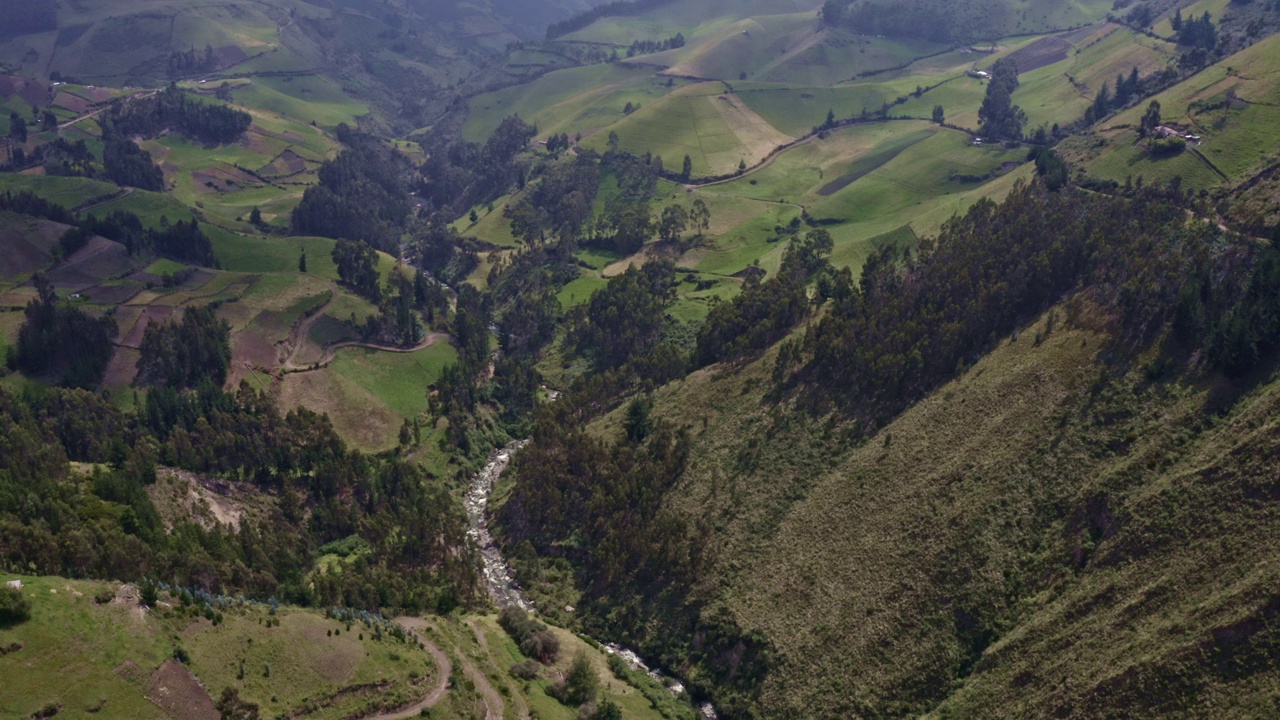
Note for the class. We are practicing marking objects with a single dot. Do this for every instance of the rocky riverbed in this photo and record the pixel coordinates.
(498, 577)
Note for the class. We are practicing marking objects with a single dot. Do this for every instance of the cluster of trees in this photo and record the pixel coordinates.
(174, 109)
(183, 241)
(533, 638)
(61, 342)
(358, 268)
(464, 174)
(124, 163)
(599, 504)
(17, 127)
(999, 118)
(559, 203)
(624, 319)
(190, 62)
(644, 47)
(558, 143)
(65, 158)
(457, 393)
(185, 354)
(438, 249)
(913, 322)
(766, 311)
(1198, 33)
(1127, 89)
(53, 523)
(362, 194)
(610, 9)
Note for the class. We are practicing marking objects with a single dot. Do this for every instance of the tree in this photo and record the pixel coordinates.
(675, 219)
(63, 343)
(580, 683)
(700, 216)
(14, 607)
(637, 425)
(255, 216)
(17, 127)
(939, 115)
(831, 119)
(1150, 119)
(614, 141)
(742, 165)
(1176, 21)
(999, 118)
(358, 268)
(302, 262)
(686, 170)
(1102, 102)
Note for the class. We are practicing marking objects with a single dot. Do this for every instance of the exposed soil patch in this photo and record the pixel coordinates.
(177, 692)
(22, 251)
(204, 499)
(123, 368)
(256, 348)
(1042, 52)
(74, 103)
(35, 93)
(156, 314)
(112, 294)
(101, 259)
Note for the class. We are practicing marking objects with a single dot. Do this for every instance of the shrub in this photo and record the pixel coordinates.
(525, 670)
(534, 639)
(14, 606)
(1168, 146)
(580, 685)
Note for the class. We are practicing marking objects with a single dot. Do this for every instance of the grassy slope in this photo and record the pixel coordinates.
(74, 651)
(1239, 139)
(716, 130)
(861, 563)
(577, 100)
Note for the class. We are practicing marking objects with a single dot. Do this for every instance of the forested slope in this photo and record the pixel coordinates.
(1026, 468)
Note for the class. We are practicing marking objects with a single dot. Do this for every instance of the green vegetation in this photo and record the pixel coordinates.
(879, 358)
(91, 647)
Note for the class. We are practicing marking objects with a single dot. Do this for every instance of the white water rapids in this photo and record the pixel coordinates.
(498, 577)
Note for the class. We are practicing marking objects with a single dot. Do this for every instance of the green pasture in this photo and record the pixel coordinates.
(1239, 136)
(797, 110)
(715, 129)
(303, 98)
(65, 191)
(85, 657)
(576, 100)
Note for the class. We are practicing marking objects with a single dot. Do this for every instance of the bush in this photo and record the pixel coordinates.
(14, 606)
(1168, 146)
(525, 670)
(534, 639)
(580, 685)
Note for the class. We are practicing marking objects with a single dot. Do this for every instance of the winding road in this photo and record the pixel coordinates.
(443, 666)
(302, 329)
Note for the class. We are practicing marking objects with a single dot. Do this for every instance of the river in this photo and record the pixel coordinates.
(498, 577)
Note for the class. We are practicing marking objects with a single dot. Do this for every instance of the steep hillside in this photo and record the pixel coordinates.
(1012, 544)
(896, 512)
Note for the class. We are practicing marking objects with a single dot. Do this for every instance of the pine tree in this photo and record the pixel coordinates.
(302, 262)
